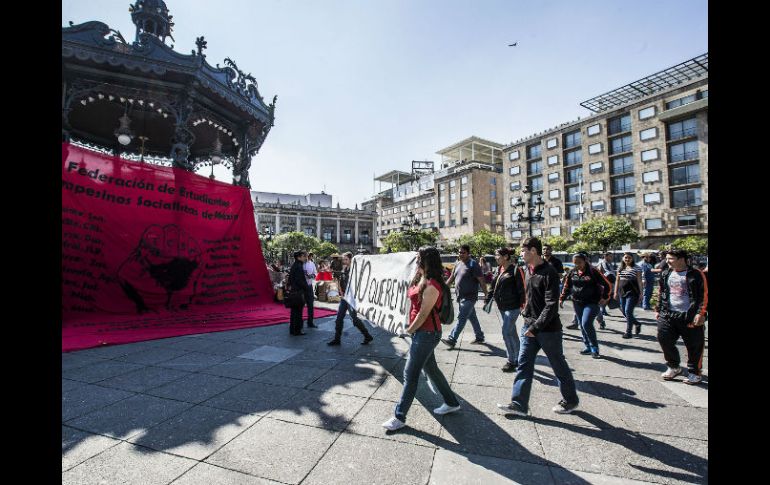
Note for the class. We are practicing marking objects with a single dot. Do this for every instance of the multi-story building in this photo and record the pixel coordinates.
(462, 197)
(643, 155)
(313, 214)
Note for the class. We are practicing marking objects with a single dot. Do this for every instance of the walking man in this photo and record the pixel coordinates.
(681, 312)
(649, 280)
(467, 277)
(541, 330)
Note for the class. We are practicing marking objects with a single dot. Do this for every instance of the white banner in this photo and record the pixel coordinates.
(378, 286)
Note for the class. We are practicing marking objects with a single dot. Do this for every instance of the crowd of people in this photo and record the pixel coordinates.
(534, 291)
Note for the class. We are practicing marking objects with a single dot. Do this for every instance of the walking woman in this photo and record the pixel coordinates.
(425, 293)
(508, 291)
(298, 283)
(629, 288)
(589, 289)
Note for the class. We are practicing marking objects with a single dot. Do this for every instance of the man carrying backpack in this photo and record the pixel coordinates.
(467, 276)
(508, 292)
(541, 330)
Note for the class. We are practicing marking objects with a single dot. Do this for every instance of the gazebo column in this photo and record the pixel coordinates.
(183, 137)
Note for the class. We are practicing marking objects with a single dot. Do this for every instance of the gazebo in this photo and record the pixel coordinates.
(145, 101)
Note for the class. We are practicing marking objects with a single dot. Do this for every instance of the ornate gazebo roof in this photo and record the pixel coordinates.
(176, 108)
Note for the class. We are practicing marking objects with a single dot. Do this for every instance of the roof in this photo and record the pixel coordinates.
(468, 141)
(391, 176)
(695, 68)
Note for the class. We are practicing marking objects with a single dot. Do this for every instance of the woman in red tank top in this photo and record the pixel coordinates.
(425, 293)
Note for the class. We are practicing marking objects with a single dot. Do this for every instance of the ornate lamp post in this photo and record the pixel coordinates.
(533, 212)
(411, 226)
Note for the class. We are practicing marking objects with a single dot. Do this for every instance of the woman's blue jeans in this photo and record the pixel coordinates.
(586, 313)
(627, 305)
(511, 336)
(421, 357)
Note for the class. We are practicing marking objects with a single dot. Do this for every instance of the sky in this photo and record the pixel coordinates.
(367, 86)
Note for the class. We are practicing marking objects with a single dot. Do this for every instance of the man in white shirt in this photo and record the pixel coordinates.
(310, 272)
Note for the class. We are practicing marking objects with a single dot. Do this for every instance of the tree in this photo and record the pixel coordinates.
(557, 243)
(325, 249)
(409, 240)
(694, 245)
(483, 242)
(603, 233)
(578, 247)
(285, 244)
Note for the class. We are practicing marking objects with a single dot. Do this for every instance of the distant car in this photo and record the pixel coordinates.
(568, 266)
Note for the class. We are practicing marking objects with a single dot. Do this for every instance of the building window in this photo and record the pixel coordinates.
(683, 151)
(621, 144)
(556, 231)
(464, 180)
(648, 134)
(433, 213)
(685, 174)
(493, 207)
(515, 170)
(536, 183)
(624, 205)
(551, 143)
(623, 185)
(573, 158)
(442, 212)
(432, 200)
(682, 129)
(596, 167)
(453, 196)
(492, 194)
(464, 207)
(573, 194)
(648, 112)
(327, 233)
(554, 211)
(689, 221)
(594, 129)
(686, 197)
(465, 220)
(514, 155)
(621, 165)
(514, 201)
(452, 223)
(650, 177)
(492, 181)
(619, 124)
(534, 167)
(452, 183)
(553, 194)
(516, 234)
(573, 212)
(597, 205)
(553, 177)
(573, 175)
(652, 198)
(464, 194)
(553, 159)
(595, 148)
(348, 235)
(537, 232)
(515, 186)
(682, 101)
(533, 151)
(442, 199)
(442, 187)
(453, 209)
(649, 155)
(571, 139)
(653, 224)
(441, 223)
(597, 186)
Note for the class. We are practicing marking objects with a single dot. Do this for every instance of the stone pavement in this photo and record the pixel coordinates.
(256, 406)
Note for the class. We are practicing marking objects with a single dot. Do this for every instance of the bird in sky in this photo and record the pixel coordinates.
(514, 44)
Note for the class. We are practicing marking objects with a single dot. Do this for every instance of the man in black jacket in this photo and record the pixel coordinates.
(297, 283)
(542, 329)
(344, 307)
(681, 311)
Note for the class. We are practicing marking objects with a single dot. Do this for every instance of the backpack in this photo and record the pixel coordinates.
(447, 313)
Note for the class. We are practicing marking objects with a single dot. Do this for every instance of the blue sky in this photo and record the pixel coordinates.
(365, 87)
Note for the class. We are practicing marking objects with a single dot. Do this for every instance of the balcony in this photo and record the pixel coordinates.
(679, 111)
(680, 157)
(680, 134)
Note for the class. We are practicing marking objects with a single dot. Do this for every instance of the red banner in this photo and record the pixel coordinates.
(150, 252)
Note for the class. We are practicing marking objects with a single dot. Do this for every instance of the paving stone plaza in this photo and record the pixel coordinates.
(256, 406)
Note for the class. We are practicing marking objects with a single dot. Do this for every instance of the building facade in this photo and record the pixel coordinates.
(462, 197)
(313, 214)
(643, 155)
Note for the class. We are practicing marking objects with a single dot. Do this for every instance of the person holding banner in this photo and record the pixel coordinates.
(508, 292)
(345, 307)
(425, 293)
(298, 283)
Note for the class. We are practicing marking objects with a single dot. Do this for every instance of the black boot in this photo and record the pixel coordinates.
(336, 341)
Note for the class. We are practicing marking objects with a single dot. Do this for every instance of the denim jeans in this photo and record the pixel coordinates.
(586, 314)
(467, 312)
(648, 286)
(627, 305)
(510, 335)
(421, 357)
(551, 344)
(342, 309)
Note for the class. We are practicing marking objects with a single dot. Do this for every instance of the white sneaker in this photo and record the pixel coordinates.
(693, 379)
(671, 372)
(393, 424)
(446, 409)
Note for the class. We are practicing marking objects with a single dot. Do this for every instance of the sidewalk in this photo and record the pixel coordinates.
(256, 406)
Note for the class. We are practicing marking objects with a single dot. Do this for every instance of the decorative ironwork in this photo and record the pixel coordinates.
(201, 44)
(244, 84)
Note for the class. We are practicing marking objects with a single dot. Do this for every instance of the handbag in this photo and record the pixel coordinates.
(294, 299)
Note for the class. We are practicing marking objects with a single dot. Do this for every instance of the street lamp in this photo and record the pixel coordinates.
(534, 213)
(411, 225)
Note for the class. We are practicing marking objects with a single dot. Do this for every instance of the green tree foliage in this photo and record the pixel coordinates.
(603, 233)
(324, 250)
(578, 247)
(409, 240)
(557, 243)
(694, 245)
(283, 245)
(483, 242)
